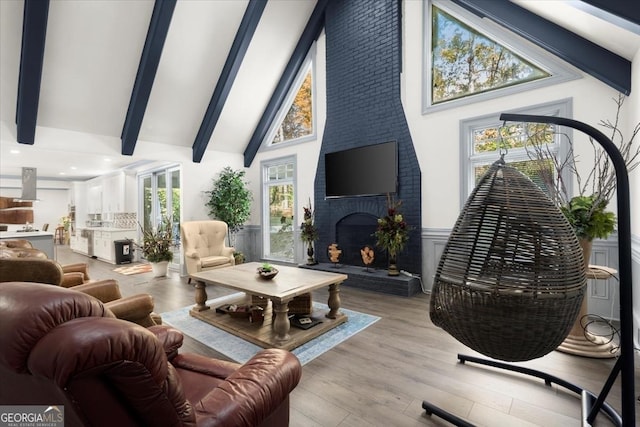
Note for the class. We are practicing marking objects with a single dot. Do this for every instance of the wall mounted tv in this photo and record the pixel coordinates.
(363, 171)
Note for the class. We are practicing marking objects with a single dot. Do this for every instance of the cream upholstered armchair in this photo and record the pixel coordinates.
(203, 243)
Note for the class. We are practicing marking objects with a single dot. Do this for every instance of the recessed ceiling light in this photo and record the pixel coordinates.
(106, 159)
(73, 168)
(15, 151)
(63, 173)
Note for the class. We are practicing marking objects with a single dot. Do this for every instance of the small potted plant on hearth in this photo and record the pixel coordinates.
(392, 234)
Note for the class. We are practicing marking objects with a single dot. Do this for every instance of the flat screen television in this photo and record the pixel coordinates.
(363, 171)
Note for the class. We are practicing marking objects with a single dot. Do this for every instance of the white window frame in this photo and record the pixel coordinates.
(264, 177)
(469, 160)
(307, 65)
(559, 71)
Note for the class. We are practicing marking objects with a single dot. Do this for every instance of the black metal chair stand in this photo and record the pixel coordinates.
(624, 366)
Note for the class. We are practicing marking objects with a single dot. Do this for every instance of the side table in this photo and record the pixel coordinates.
(577, 342)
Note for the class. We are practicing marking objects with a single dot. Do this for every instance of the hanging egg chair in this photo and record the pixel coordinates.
(511, 278)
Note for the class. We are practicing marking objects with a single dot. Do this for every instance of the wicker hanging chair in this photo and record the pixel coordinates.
(511, 278)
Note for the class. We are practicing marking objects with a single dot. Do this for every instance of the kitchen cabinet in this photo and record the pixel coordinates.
(94, 198)
(103, 238)
(113, 194)
(79, 244)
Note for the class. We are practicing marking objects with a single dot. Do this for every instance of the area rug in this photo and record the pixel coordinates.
(133, 269)
(241, 351)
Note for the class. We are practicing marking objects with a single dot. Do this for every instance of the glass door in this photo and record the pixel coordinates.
(277, 219)
(160, 191)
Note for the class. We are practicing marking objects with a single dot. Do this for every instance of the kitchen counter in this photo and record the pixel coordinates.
(23, 234)
(42, 240)
(107, 229)
(98, 242)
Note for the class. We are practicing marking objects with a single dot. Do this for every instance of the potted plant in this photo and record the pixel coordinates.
(230, 201)
(157, 245)
(587, 212)
(267, 271)
(309, 233)
(392, 234)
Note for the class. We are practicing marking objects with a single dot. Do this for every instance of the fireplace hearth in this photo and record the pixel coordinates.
(355, 231)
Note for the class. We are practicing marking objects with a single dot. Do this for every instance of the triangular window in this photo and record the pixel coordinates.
(469, 59)
(295, 119)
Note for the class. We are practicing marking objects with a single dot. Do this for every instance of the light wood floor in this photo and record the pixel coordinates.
(381, 376)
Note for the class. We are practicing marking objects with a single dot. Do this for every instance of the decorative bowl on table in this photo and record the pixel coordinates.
(267, 273)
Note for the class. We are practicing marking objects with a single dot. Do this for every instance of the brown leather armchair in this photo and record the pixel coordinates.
(61, 346)
(136, 308)
(74, 274)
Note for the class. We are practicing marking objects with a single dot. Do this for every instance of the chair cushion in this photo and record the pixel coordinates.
(214, 261)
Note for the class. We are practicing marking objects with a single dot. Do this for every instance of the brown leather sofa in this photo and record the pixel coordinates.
(58, 346)
(74, 274)
(136, 308)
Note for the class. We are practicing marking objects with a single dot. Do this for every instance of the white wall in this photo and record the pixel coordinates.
(306, 153)
(53, 204)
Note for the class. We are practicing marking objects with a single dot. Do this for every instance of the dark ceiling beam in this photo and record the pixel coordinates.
(243, 37)
(623, 9)
(34, 34)
(591, 58)
(149, 60)
(311, 32)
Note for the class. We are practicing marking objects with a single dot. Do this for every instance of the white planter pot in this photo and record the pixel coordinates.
(159, 269)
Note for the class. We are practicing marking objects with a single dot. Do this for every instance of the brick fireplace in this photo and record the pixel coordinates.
(364, 64)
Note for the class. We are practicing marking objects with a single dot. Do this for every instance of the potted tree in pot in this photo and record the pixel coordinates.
(230, 201)
(156, 246)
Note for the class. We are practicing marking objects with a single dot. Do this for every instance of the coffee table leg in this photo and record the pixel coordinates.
(281, 323)
(201, 296)
(334, 301)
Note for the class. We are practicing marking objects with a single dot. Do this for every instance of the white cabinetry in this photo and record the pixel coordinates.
(103, 246)
(94, 198)
(113, 194)
(79, 244)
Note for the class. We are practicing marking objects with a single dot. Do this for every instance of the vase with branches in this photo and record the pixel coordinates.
(392, 233)
(587, 210)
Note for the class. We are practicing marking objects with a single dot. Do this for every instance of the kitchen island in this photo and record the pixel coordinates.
(42, 240)
(98, 242)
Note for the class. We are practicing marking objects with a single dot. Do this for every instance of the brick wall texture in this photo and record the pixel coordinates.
(363, 44)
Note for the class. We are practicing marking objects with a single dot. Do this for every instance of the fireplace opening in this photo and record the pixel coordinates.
(355, 231)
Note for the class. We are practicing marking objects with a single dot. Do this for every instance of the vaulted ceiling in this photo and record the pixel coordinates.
(185, 73)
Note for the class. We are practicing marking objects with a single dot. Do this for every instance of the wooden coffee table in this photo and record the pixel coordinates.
(290, 282)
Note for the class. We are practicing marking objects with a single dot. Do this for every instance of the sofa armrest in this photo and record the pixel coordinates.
(136, 309)
(228, 252)
(79, 267)
(72, 279)
(252, 393)
(205, 365)
(170, 338)
(104, 290)
(192, 254)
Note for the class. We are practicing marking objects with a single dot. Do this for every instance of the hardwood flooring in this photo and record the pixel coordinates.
(381, 376)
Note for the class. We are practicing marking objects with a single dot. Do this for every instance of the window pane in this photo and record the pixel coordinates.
(512, 136)
(299, 120)
(538, 171)
(281, 242)
(465, 62)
